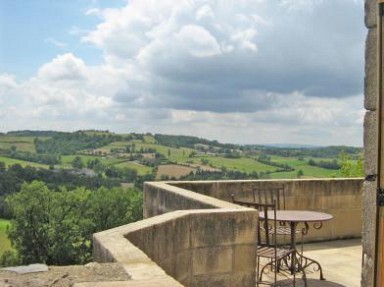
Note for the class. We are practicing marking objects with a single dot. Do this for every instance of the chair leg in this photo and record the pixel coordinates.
(257, 270)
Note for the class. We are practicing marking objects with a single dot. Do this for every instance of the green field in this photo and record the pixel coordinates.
(309, 172)
(21, 143)
(114, 154)
(10, 161)
(240, 164)
(173, 154)
(5, 244)
(141, 169)
(291, 161)
(67, 160)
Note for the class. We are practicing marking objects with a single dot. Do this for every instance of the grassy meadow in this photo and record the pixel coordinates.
(11, 161)
(5, 244)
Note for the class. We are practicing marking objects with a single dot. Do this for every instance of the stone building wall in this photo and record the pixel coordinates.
(370, 142)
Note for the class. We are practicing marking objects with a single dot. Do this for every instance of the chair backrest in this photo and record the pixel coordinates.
(266, 228)
(268, 195)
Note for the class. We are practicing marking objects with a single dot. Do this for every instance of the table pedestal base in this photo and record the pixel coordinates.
(306, 262)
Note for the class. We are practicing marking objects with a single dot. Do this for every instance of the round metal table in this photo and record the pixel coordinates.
(293, 218)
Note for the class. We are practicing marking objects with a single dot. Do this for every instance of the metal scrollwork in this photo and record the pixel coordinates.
(304, 230)
(317, 225)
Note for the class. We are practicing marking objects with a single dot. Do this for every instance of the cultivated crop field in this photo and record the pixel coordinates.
(173, 171)
(20, 143)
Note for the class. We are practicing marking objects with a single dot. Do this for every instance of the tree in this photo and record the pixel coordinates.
(112, 171)
(99, 168)
(348, 168)
(2, 166)
(113, 207)
(57, 227)
(78, 162)
(29, 232)
(300, 173)
(129, 174)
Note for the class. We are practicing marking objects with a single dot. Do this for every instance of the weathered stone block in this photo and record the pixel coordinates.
(219, 228)
(212, 260)
(244, 258)
(370, 143)
(163, 240)
(339, 225)
(368, 271)
(369, 218)
(370, 13)
(183, 266)
(147, 244)
(181, 230)
(370, 79)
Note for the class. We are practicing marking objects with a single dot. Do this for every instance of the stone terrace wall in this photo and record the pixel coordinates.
(340, 197)
(196, 247)
(193, 236)
(370, 141)
(161, 197)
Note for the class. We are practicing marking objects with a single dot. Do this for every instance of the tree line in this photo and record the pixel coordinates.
(56, 227)
(12, 178)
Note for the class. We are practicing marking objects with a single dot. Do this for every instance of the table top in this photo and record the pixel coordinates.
(298, 216)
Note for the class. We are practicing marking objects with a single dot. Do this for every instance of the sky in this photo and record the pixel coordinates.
(236, 71)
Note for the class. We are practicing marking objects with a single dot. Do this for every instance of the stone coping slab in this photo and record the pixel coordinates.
(32, 268)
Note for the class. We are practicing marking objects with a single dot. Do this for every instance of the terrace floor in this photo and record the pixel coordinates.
(340, 260)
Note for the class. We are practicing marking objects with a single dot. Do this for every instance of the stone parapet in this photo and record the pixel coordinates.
(196, 237)
(185, 248)
(340, 197)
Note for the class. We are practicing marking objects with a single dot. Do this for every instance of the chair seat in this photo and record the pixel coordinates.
(282, 230)
(269, 252)
(285, 230)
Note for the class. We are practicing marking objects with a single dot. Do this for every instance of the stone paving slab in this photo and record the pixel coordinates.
(340, 260)
(311, 283)
(32, 268)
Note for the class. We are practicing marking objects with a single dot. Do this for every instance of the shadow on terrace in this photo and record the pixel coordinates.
(192, 234)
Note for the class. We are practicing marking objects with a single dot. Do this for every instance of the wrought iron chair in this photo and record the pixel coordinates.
(267, 195)
(267, 246)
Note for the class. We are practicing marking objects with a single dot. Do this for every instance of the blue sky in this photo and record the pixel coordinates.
(245, 71)
(34, 32)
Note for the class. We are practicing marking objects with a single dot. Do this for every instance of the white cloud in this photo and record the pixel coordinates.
(7, 82)
(63, 68)
(93, 11)
(205, 12)
(56, 43)
(197, 41)
(295, 5)
(238, 71)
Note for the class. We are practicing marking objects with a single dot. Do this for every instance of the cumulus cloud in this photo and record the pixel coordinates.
(63, 68)
(227, 69)
(199, 51)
